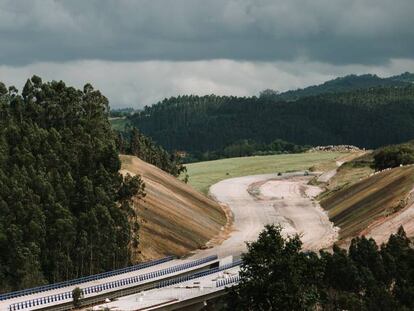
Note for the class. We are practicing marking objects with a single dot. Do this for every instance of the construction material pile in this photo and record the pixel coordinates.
(335, 148)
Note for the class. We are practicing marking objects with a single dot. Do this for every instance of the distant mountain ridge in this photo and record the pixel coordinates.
(348, 83)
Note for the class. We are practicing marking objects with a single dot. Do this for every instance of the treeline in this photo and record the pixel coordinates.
(277, 275)
(347, 84)
(132, 142)
(246, 148)
(64, 209)
(366, 118)
(120, 113)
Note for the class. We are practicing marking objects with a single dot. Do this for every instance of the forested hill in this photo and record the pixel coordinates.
(366, 118)
(132, 142)
(64, 208)
(346, 84)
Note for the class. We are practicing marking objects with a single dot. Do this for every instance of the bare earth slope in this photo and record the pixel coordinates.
(381, 230)
(176, 219)
(382, 199)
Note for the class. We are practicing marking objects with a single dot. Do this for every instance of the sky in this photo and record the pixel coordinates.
(139, 52)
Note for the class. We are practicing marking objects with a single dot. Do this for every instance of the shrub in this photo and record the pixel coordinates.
(393, 156)
(76, 295)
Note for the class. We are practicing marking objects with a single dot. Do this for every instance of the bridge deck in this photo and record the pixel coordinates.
(175, 294)
(15, 303)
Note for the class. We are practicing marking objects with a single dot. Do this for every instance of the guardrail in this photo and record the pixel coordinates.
(147, 276)
(197, 275)
(109, 285)
(230, 280)
(85, 279)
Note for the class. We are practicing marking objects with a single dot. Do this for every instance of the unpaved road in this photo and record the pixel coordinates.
(269, 199)
(325, 177)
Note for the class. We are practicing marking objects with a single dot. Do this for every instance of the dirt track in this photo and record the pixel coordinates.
(326, 176)
(268, 199)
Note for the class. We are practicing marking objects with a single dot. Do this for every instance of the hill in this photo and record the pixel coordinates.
(175, 218)
(348, 83)
(366, 118)
(361, 202)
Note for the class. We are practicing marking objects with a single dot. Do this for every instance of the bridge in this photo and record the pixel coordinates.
(164, 284)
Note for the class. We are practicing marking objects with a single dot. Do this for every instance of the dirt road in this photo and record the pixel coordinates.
(270, 199)
(326, 176)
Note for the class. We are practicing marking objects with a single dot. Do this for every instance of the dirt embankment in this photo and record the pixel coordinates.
(175, 218)
(375, 206)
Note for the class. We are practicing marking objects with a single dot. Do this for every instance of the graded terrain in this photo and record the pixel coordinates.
(260, 200)
(371, 201)
(175, 219)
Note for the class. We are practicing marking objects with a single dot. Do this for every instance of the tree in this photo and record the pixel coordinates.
(60, 185)
(76, 296)
(132, 186)
(144, 148)
(3, 89)
(370, 118)
(276, 275)
(268, 93)
(393, 156)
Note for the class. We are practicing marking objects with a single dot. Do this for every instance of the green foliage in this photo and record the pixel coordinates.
(119, 113)
(119, 124)
(367, 118)
(132, 186)
(133, 142)
(393, 156)
(347, 84)
(246, 148)
(59, 186)
(77, 295)
(276, 275)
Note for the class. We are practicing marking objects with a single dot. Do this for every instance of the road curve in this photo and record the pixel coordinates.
(270, 199)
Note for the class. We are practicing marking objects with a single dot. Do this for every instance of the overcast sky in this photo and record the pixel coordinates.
(138, 52)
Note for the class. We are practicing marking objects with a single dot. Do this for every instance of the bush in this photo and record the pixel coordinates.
(393, 156)
(76, 295)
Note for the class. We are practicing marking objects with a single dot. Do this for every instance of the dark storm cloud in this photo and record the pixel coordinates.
(333, 31)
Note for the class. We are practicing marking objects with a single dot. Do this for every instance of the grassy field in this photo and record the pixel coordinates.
(204, 174)
(118, 123)
(349, 173)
